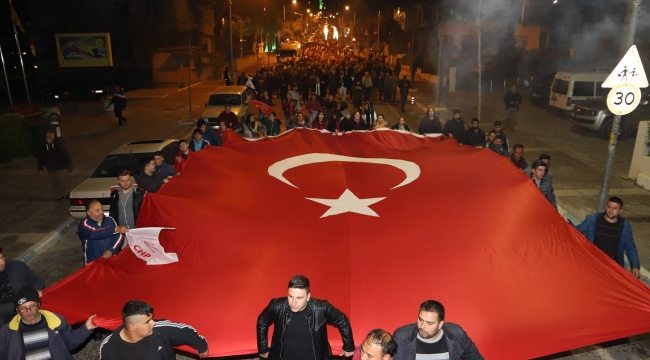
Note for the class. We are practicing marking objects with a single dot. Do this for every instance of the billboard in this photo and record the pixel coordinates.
(84, 50)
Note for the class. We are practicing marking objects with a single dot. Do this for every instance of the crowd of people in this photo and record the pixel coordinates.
(308, 90)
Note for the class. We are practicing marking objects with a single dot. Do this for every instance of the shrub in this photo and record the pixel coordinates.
(17, 136)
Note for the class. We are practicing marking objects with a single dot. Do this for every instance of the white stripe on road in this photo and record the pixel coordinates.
(193, 85)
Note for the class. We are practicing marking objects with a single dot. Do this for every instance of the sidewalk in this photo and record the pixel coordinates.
(28, 212)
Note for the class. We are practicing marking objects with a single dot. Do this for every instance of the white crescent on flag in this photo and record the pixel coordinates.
(411, 169)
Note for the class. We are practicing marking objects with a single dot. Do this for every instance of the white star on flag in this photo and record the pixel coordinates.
(348, 202)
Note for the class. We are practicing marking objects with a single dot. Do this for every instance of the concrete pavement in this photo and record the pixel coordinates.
(28, 211)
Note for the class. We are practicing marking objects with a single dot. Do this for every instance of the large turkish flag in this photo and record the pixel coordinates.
(379, 222)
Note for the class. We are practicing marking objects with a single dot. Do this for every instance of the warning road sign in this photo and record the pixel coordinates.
(629, 70)
(623, 99)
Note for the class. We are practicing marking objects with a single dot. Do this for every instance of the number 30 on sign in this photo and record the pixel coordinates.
(623, 98)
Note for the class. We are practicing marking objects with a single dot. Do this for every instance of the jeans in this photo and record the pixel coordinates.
(343, 91)
(511, 119)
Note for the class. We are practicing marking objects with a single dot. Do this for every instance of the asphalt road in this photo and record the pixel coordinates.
(28, 213)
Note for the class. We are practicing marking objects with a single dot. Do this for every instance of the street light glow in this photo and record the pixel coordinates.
(347, 7)
(294, 1)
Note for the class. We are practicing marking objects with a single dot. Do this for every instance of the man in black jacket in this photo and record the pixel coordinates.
(431, 335)
(140, 337)
(404, 85)
(512, 99)
(14, 275)
(126, 201)
(474, 136)
(119, 104)
(55, 158)
(455, 127)
(299, 331)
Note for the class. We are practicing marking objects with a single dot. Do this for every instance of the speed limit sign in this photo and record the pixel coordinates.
(623, 98)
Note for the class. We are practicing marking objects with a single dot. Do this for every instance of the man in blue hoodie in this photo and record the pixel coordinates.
(612, 234)
(100, 235)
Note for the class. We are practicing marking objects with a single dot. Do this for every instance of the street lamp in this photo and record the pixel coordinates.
(354, 19)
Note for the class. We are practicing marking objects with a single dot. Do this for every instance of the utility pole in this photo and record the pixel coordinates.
(439, 63)
(613, 137)
(378, 25)
(20, 55)
(4, 69)
(189, 65)
(232, 54)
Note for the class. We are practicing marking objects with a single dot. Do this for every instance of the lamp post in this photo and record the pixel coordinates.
(232, 54)
(354, 20)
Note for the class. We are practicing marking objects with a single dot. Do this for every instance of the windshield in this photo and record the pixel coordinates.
(288, 53)
(561, 86)
(224, 99)
(113, 164)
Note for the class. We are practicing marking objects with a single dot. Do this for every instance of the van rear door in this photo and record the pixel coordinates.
(559, 93)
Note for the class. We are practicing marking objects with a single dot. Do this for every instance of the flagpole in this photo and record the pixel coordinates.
(4, 69)
(20, 54)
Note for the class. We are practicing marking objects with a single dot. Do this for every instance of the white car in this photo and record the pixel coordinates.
(237, 96)
(132, 157)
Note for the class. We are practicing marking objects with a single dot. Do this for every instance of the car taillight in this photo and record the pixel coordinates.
(568, 101)
(77, 202)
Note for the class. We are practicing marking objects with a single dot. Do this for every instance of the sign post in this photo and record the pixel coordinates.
(625, 81)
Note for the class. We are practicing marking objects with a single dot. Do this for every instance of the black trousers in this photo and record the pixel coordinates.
(118, 115)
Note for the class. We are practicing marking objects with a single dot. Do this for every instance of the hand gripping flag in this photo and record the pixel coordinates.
(379, 221)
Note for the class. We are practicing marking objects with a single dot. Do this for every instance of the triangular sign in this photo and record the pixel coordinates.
(629, 70)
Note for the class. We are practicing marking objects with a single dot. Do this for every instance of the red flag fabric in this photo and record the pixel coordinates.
(264, 108)
(379, 222)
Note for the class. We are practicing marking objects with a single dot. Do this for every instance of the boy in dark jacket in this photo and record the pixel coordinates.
(140, 337)
(55, 158)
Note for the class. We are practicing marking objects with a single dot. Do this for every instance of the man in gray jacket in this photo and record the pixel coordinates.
(14, 275)
(434, 338)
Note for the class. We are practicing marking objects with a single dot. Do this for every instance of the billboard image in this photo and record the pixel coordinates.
(84, 50)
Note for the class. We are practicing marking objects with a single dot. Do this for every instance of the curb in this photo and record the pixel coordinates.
(47, 241)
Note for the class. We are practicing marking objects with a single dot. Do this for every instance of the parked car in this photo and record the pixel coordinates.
(237, 97)
(594, 115)
(132, 157)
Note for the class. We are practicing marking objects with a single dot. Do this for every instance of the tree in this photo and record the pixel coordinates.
(240, 27)
(291, 28)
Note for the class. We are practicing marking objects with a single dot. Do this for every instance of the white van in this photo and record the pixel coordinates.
(289, 51)
(569, 88)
